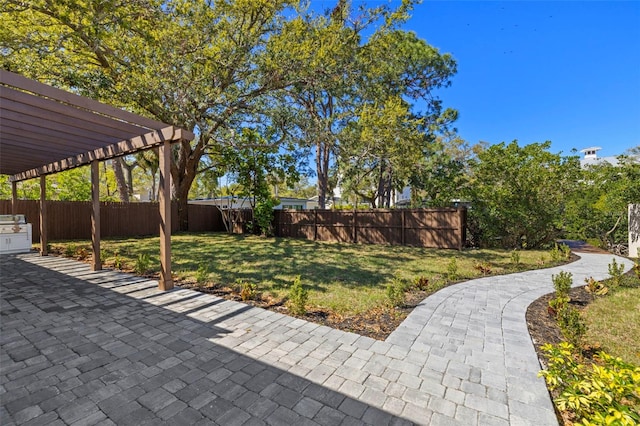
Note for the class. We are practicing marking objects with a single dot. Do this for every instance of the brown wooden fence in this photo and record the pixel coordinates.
(70, 220)
(437, 228)
(434, 228)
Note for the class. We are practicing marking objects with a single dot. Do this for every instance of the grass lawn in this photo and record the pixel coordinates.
(346, 279)
(613, 321)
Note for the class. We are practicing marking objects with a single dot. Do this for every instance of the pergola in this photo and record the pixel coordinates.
(44, 130)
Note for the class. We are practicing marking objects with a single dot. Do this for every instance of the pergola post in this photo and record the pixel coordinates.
(164, 198)
(43, 215)
(14, 197)
(96, 261)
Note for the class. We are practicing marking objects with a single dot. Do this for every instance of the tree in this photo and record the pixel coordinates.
(193, 64)
(598, 207)
(441, 175)
(518, 194)
(380, 150)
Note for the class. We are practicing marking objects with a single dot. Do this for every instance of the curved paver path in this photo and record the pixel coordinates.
(479, 326)
(83, 347)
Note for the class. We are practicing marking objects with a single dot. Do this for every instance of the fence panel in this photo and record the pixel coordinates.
(434, 228)
(71, 220)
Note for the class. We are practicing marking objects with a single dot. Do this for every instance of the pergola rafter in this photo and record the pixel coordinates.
(45, 130)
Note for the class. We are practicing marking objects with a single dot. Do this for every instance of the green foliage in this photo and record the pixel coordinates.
(562, 283)
(572, 325)
(70, 250)
(597, 208)
(202, 274)
(117, 261)
(617, 272)
(452, 269)
(557, 304)
(602, 393)
(636, 267)
(142, 264)
(421, 283)
(518, 194)
(298, 296)
(263, 216)
(560, 252)
(395, 292)
(515, 257)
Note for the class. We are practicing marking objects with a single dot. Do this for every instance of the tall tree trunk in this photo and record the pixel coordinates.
(322, 170)
(123, 192)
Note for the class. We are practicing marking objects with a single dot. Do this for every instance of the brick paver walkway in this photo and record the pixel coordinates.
(81, 347)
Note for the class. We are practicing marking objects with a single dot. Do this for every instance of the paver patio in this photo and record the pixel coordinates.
(82, 347)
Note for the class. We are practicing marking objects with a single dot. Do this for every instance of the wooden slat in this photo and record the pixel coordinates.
(11, 95)
(147, 141)
(15, 80)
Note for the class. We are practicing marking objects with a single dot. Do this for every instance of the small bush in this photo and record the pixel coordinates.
(298, 296)
(421, 283)
(636, 268)
(247, 291)
(142, 264)
(557, 304)
(117, 262)
(395, 292)
(452, 269)
(560, 252)
(572, 325)
(605, 392)
(562, 283)
(202, 274)
(616, 271)
(483, 267)
(597, 288)
(515, 257)
(70, 250)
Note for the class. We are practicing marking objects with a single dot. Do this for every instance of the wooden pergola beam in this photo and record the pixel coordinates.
(130, 146)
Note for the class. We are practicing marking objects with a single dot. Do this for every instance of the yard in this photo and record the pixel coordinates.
(347, 283)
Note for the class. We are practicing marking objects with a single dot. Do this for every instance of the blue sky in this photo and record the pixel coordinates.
(568, 72)
(564, 71)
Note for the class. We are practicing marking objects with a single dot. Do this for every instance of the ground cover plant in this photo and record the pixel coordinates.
(592, 356)
(347, 284)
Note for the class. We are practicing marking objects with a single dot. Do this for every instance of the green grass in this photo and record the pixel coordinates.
(345, 278)
(613, 322)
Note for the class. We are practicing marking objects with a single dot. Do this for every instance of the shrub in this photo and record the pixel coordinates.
(560, 252)
(117, 262)
(263, 216)
(605, 392)
(421, 283)
(483, 267)
(142, 264)
(202, 273)
(452, 269)
(395, 292)
(616, 271)
(571, 325)
(70, 250)
(562, 283)
(247, 291)
(636, 267)
(597, 288)
(557, 304)
(298, 296)
(515, 257)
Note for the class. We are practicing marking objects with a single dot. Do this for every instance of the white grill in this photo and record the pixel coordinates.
(15, 234)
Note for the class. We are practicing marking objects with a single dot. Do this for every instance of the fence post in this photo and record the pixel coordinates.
(462, 220)
(403, 222)
(315, 224)
(355, 225)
